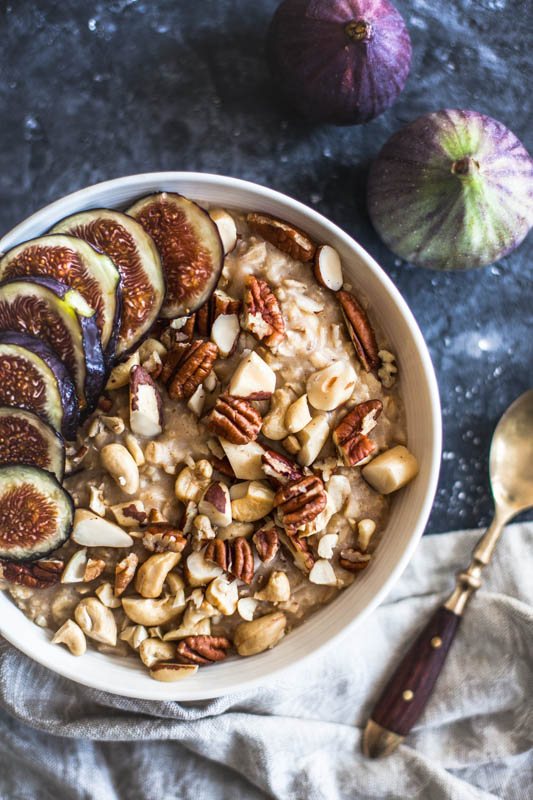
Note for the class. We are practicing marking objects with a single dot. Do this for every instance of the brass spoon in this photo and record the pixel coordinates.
(409, 689)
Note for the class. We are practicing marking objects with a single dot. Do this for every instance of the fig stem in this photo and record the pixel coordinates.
(465, 168)
(358, 30)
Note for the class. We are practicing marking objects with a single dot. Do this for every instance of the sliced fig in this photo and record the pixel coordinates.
(137, 259)
(33, 377)
(78, 265)
(26, 439)
(190, 247)
(36, 513)
(59, 315)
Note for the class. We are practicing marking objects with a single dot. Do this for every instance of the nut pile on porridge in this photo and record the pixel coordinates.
(234, 473)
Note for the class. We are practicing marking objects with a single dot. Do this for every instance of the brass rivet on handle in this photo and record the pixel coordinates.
(436, 642)
(408, 695)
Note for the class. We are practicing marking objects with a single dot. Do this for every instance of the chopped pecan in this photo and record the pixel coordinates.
(353, 560)
(266, 543)
(300, 501)
(186, 332)
(234, 419)
(93, 569)
(282, 235)
(261, 313)
(279, 469)
(219, 303)
(351, 435)
(191, 365)
(223, 466)
(38, 575)
(202, 650)
(360, 330)
(124, 572)
(233, 555)
(299, 550)
(160, 537)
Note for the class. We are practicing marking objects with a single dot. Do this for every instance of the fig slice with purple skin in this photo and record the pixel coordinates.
(36, 513)
(452, 190)
(137, 259)
(190, 247)
(59, 316)
(26, 439)
(34, 378)
(78, 265)
(339, 61)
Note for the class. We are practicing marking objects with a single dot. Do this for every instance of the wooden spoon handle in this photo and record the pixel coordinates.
(411, 685)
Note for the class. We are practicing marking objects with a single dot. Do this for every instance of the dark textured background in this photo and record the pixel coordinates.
(91, 91)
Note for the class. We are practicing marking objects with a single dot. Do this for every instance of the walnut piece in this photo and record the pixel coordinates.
(351, 435)
(261, 312)
(160, 538)
(360, 331)
(300, 501)
(234, 419)
(124, 572)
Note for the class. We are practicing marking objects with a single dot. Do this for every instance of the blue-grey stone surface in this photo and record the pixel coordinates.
(94, 90)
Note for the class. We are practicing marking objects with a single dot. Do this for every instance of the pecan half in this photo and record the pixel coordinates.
(360, 330)
(351, 435)
(300, 501)
(353, 560)
(234, 419)
(261, 313)
(38, 575)
(202, 650)
(124, 572)
(282, 235)
(233, 555)
(279, 469)
(192, 364)
(266, 543)
(160, 537)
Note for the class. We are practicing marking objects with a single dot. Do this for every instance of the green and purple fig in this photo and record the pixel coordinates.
(452, 190)
(339, 61)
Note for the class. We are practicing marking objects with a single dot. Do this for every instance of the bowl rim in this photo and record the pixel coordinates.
(80, 199)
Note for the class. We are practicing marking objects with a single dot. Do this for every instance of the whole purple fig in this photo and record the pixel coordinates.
(339, 61)
(452, 190)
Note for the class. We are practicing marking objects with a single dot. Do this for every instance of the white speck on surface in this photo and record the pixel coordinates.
(92, 24)
(316, 198)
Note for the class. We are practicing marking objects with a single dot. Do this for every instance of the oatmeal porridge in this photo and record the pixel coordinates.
(236, 473)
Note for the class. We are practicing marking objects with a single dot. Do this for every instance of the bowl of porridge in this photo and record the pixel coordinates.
(236, 440)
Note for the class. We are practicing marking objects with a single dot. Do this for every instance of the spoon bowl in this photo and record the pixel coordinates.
(511, 458)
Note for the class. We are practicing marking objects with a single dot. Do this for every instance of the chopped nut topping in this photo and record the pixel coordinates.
(261, 312)
(234, 419)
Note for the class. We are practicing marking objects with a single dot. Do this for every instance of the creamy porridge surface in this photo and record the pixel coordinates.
(315, 337)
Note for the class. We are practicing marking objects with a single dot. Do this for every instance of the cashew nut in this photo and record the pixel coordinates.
(153, 650)
(192, 481)
(134, 635)
(312, 439)
(278, 588)
(96, 620)
(71, 635)
(152, 573)
(297, 415)
(96, 501)
(175, 583)
(251, 501)
(274, 426)
(121, 466)
(235, 529)
(106, 595)
(365, 529)
(198, 571)
(135, 449)
(120, 375)
(260, 634)
(246, 608)
(150, 346)
(150, 612)
(223, 594)
(323, 573)
(327, 544)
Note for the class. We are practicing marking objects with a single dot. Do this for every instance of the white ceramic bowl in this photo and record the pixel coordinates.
(411, 506)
